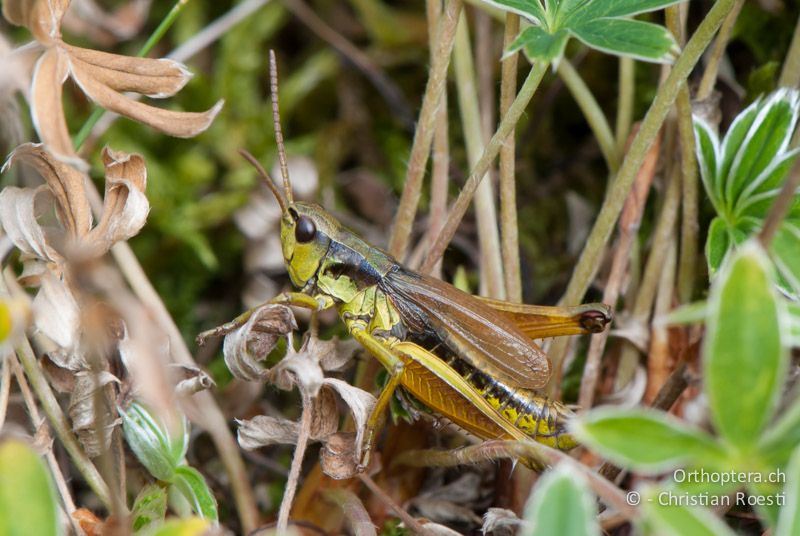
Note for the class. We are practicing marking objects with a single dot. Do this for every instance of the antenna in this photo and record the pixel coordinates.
(265, 177)
(276, 120)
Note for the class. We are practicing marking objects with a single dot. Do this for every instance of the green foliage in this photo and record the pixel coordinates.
(27, 495)
(600, 24)
(149, 508)
(561, 504)
(162, 452)
(743, 174)
(745, 357)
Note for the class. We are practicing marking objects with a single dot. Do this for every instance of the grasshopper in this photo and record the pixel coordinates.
(467, 358)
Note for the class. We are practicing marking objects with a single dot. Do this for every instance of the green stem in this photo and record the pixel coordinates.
(423, 136)
(593, 113)
(486, 214)
(509, 229)
(156, 36)
(627, 88)
(712, 67)
(59, 423)
(507, 125)
(598, 237)
(790, 73)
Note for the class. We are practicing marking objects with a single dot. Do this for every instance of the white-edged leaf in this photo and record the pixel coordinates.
(744, 350)
(677, 520)
(531, 10)
(633, 38)
(647, 440)
(191, 484)
(539, 44)
(708, 155)
(789, 517)
(561, 504)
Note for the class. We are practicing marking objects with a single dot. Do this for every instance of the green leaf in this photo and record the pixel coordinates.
(789, 517)
(27, 495)
(767, 138)
(528, 9)
(618, 8)
(707, 149)
(646, 440)
(745, 360)
(785, 250)
(634, 38)
(184, 527)
(717, 245)
(149, 508)
(758, 196)
(678, 520)
(691, 313)
(731, 145)
(158, 450)
(538, 44)
(191, 484)
(561, 504)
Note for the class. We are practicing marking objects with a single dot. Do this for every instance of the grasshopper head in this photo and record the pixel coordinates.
(306, 231)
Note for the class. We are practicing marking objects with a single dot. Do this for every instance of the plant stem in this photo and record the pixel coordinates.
(627, 89)
(790, 73)
(659, 364)
(423, 136)
(712, 67)
(405, 517)
(593, 113)
(154, 38)
(628, 225)
(507, 124)
(689, 222)
(486, 215)
(297, 464)
(59, 423)
(667, 93)
(642, 307)
(509, 229)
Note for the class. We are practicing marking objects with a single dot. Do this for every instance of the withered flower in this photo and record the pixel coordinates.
(101, 76)
(45, 245)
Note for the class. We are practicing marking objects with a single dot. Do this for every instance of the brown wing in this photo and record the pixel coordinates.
(483, 337)
(543, 321)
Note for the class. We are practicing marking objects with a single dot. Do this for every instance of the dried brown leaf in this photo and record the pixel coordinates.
(335, 355)
(337, 457)
(65, 182)
(56, 313)
(324, 415)
(300, 369)
(360, 403)
(84, 411)
(18, 216)
(41, 17)
(264, 430)
(189, 380)
(178, 124)
(358, 519)
(125, 206)
(155, 78)
(47, 108)
(246, 346)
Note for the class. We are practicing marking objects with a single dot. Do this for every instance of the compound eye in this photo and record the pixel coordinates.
(305, 229)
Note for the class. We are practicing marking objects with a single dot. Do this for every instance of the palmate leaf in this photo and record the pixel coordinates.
(743, 175)
(600, 24)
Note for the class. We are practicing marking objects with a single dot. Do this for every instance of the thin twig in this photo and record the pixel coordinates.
(781, 205)
(411, 523)
(423, 135)
(486, 215)
(658, 362)
(709, 79)
(790, 73)
(626, 92)
(628, 227)
(297, 465)
(509, 121)
(37, 420)
(509, 228)
(596, 242)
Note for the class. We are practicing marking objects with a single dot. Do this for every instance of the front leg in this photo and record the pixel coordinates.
(319, 302)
